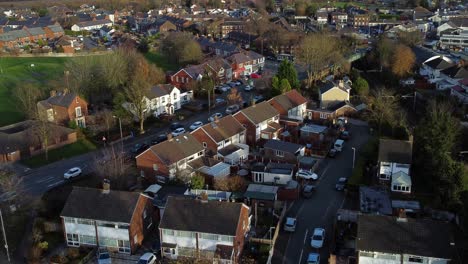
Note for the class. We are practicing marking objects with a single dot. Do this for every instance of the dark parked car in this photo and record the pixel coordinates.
(345, 135)
(159, 139)
(139, 148)
(332, 153)
(308, 190)
(175, 126)
(341, 184)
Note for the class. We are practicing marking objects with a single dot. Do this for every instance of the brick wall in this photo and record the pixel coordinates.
(139, 225)
(250, 128)
(202, 137)
(240, 232)
(145, 163)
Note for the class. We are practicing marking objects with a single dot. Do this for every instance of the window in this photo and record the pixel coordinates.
(205, 145)
(323, 116)
(175, 96)
(200, 153)
(124, 245)
(279, 153)
(415, 259)
(85, 222)
(78, 111)
(226, 238)
(163, 100)
(88, 240)
(184, 234)
(73, 240)
(155, 167)
(226, 141)
(209, 236)
(69, 220)
(168, 232)
(177, 79)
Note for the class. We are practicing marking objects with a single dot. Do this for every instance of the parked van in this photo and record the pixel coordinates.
(338, 145)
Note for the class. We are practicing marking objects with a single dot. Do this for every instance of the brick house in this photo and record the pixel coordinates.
(331, 113)
(261, 122)
(245, 63)
(36, 34)
(184, 78)
(116, 220)
(224, 139)
(22, 140)
(211, 230)
(220, 68)
(276, 150)
(54, 31)
(291, 105)
(230, 25)
(64, 107)
(169, 158)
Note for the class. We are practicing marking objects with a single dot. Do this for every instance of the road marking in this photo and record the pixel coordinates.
(342, 202)
(55, 184)
(328, 209)
(302, 250)
(305, 237)
(46, 179)
(300, 259)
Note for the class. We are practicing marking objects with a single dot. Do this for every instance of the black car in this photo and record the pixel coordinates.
(159, 139)
(332, 153)
(341, 184)
(308, 190)
(345, 135)
(139, 148)
(175, 126)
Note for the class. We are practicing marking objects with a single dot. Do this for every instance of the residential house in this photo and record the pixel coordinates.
(322, 18)
(63, 107)
(455, 23)
(242, 38)
(277, 150)
(161, 26)
(116, 220)
(272, 173)
(220, 69)
(388, 239)
(54, 31)
(231, 25)
(451, 76)
(433, 66)
(420, 13)
(401, 182)
(261, 122)
(169, 158)
(359, 18)
(290, 105)
(180, 23)
(36, 34)
(184, 78)
(394, 156)
(224, 139)
(22, 140)
(455, 39)
(163, 99)
(106, 32)
(91, 25)
(460, 91)
(213, 230)
(221, 48)
(66, 44)
(14, 38)
(211, 169)
(339, 18)
(245, 63)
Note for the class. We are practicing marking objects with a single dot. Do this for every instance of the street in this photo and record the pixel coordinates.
(321, 208)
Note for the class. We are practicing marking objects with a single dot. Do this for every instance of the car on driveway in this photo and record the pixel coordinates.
(178, 132)
(232, 109)
(73, 172)
(139, 148)
(103, 257)
(290, 224)
(147, 258)
(313, 258)
(214, 116)
(341, 184)
(308, 190)
(175, 126)
(308, 175)
(317, 238)
(196, 125)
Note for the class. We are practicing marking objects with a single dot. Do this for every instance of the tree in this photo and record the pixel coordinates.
(360, 86)
(285, 86)
(197, 182)
(136, 93)
(143, 46)
(182, 48)
(106, 119)
(385, 50)
(287, 71)
(111, 164)
(43, 131)
(234, 97)
(10, 182)
(258, 25)
(311, 9)
(382, 108)
(317, 52)
(403, 60)
(410, 39)
(191, 53)
(27, 96)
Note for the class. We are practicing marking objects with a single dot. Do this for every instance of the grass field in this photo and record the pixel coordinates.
(343, 4)
(161, 61)
(80, 147)
(15, 71)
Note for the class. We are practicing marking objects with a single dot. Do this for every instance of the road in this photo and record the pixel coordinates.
(320, 210)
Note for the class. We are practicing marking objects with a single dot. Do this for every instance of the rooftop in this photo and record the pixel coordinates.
(283, 146)
(261, 192)
(398, 151)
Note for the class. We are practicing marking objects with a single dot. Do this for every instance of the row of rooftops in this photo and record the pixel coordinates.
(29, 32)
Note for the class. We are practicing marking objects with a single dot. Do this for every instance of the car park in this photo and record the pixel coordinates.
(214, 116)
(290, 224)
(159, 139)
(103, 256)
(73, 172)
(196, 125)
(316, 241)
(232, 109)
(175, 126)
(139, 148)
(308, 175)
(178, 132)
(147, 258)
(313, 258)
(308, 190)
(341, 184)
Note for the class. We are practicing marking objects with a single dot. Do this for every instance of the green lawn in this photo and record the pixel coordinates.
(80, 147)
(15, 71)
(161, 61)
(343, 4)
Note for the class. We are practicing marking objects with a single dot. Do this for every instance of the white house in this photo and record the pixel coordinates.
(90, 25)
(275, 173)
(432, 67)
(164, 99)
(451, 76)
(394, 156)
(209, 229)
(401, 182)
(107, 218)
(332, 93)
(395, 240)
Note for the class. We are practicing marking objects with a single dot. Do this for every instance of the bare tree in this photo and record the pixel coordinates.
(43, 131)
(136, 93)
(106, 119)
(232, 184)
(10, 183)
(113, 165)
(383, 108)
(234, 97)
(27, 96)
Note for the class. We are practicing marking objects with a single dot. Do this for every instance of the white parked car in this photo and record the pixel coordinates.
(290, 224)
(317, 238)
(214, 116)
(232, 109)
(147, 258)
(248, 88)
(196, 125)
(178, 131)
(73, 172)
(225, 88)
(313, 258)
(308, 175)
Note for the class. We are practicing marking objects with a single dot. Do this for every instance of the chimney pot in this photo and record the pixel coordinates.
(169, 136)
(53, 93)
(106, 186)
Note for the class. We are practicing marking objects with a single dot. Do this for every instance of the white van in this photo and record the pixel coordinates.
(338, 145)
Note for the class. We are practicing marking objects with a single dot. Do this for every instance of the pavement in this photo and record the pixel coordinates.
(321, 208)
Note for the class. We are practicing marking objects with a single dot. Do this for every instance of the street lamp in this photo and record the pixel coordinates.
(4, 236)
(354, 155)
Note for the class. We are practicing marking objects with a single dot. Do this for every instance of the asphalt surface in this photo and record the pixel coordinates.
(321, 208)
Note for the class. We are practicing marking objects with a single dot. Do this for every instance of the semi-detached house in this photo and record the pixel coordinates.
(197, 228)
(116, 220)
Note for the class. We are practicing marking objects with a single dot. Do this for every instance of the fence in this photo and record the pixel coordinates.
(275, 236)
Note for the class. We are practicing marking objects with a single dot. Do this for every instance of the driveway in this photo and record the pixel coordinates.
(320, 210)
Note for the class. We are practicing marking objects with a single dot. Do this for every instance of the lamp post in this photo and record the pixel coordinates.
(354, 155)
(4, 236)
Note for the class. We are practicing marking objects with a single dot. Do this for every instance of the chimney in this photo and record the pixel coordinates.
(216, 119)
(204, 197)
(53, 93)
(65, 91)
(341, 83)
(169, 136)
(401, 215)
(106, 186)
